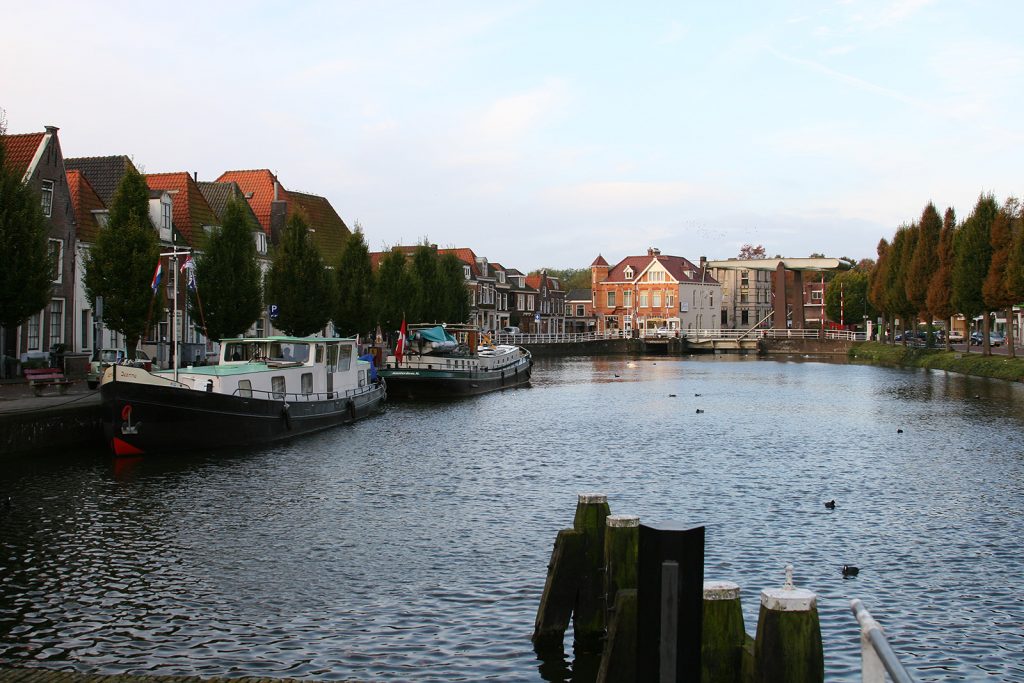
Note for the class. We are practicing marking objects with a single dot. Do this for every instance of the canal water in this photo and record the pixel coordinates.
(413, 546)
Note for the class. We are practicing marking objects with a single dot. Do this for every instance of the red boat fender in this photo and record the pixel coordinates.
(122, 447)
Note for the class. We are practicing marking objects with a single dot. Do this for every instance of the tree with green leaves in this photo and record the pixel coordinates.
(939, 300)
(923, 263)
(877, 285)
(996, 291)
(902, 249)
(26, 266)
(353, 309)
(121, 263)
(229, 278)
(423, 277)
(570, 278)
(846, 298)
(973, 254)
(392, 291)
(452, 297)
(298, 283)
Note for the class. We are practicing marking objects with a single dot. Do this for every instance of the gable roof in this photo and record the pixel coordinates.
(578, 295)
(21, 149)
(258, 188)
(676, 266)
(84, 202)
(190, 210)
(599, 261)
(103, 173)
(465, 255)
(329, 231)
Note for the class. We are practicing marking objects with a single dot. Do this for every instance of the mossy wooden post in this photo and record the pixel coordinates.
(787, 646)
(722, 635)
(621, 545)
(589, 615)
(621, 548)
(560, 589)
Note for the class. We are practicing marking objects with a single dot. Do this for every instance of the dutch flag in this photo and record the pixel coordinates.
(157, 274)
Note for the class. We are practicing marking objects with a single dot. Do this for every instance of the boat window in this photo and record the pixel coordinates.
(319, 353)
(277, 384)
(245, 388)
(289, 352)
(332, 357)
(307, 382)
(345, 357)
(235, 352)
(362, 378)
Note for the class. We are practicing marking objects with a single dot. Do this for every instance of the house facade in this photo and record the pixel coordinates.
(549, 311)
(580, 316)
(746, 296)
(40, 161)
(654, 292)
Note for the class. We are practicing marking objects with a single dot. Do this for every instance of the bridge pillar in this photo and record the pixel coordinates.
(796, 296)
(781, 299)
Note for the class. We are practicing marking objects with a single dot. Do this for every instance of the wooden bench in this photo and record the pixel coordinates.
(40, 378)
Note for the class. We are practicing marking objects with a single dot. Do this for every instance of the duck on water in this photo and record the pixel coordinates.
(261, 390)
(443, 361)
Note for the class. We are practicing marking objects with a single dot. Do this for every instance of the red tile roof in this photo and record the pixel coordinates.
(190, 210)
(21, 149)
(599, 261)
(84, 201)
(465, 255)
(260, 185)
(677, 267)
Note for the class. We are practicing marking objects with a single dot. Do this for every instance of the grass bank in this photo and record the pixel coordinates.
(1000, 367)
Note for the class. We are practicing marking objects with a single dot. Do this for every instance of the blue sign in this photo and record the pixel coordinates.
(273, 311)
(536, 317)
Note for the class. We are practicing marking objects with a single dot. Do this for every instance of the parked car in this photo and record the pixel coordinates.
(996, 339)
(663, 332)
(511, 330)
(108, 357)
(956, 336)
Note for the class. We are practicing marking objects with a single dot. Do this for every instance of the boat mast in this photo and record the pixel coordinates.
(174, 253)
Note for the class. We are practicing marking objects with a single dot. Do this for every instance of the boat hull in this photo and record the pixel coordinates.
(411, 383)
(145, 418)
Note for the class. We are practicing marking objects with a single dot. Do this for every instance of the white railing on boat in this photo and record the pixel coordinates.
(292, 397)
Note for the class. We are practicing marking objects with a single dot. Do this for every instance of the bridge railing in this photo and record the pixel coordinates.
(702, 335)
(877, 656)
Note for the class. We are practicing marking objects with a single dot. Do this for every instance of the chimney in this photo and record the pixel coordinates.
(275, 189)
(195, 176)
(52, 130)
(703, 262)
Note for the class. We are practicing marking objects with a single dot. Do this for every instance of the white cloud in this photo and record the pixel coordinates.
(621, 195)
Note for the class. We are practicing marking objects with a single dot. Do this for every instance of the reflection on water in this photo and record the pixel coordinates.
(414, 545)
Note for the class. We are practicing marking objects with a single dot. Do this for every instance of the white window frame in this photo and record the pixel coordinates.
(57, 338)
(34, 321)
(611, 298)
(627, 298)
(46, 197)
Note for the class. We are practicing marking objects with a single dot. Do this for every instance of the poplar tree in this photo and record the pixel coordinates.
(392, 291)
(924, 263)
(228, 278)
(298, 283)
(995, 289)
(353, 308)
(900, 252)
(121, 263)
(26, 266)
(423, 276)
(877, 282)
(940, 293)
(973, 248)
(452, 294)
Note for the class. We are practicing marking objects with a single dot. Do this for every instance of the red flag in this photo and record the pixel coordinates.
(400, 346)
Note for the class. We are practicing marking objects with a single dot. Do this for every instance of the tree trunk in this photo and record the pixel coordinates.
(3, 352)
(1010, 351)
(986, 327)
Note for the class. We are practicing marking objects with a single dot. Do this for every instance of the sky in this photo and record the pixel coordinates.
(543, 134)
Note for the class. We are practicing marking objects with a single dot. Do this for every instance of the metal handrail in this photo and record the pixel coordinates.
(295, 397)
(877, 656)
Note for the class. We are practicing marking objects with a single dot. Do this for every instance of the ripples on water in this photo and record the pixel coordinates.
(413, 546)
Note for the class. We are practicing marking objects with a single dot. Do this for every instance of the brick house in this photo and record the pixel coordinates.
(579, 312)
(652, 292)
(549, 313)
(38, 158)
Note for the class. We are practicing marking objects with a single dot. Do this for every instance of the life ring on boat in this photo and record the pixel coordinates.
(287, 416)
(351, 409)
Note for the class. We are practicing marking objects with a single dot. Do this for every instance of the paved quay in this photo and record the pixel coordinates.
(8, 675)
(53, 420)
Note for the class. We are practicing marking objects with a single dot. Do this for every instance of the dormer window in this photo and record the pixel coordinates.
(261, 242)
(165, 219)
(466, 271)
(628, 273)
(501, 276)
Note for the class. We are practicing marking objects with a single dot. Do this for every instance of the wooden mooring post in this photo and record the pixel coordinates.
(723, 636)
(788, 646)
(575, 582)
(621, 548)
